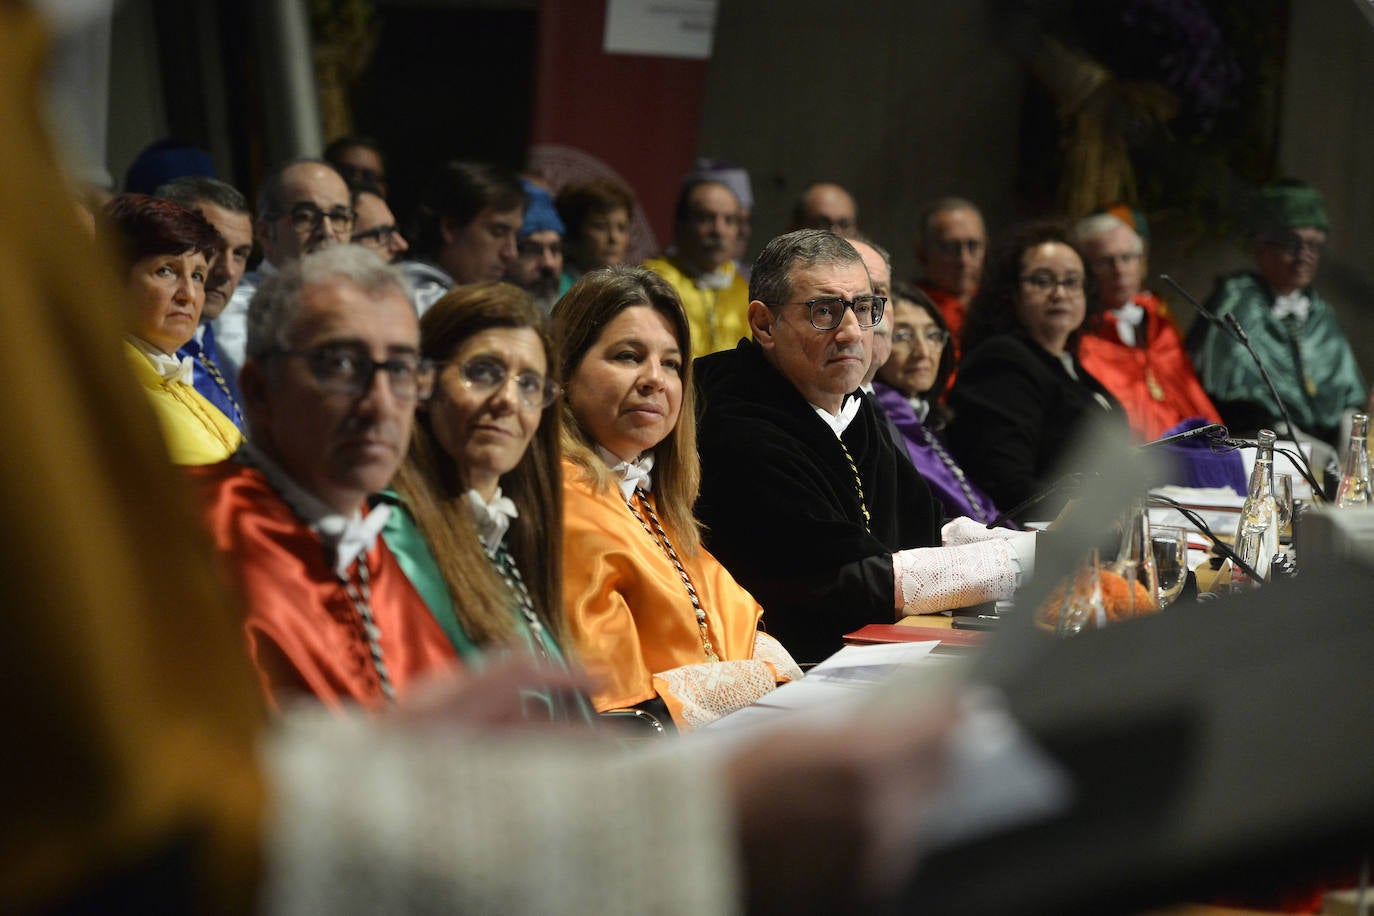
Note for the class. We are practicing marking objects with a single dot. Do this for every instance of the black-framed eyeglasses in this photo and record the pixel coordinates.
(826, 312)
(1296, 246)
(1044, 282)
(487, 373)
(381, 235)
(305, 216)
(934, 337)
(348, 370)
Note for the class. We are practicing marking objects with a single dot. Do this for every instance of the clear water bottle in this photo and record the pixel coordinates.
(1354, 488)
(1257, 533)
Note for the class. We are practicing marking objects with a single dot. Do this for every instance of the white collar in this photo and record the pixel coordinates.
(169, 368)
(920, 405)
(1128, 318)
(1294, 303)
(345, 537)
(720, 278)
(633, 474)
(493, 518)
(838, 423)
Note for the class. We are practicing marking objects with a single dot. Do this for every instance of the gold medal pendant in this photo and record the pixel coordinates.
(1151, 383)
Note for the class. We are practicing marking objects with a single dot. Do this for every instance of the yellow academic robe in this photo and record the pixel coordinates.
(196, 431)
(633, 625)
(718, 318)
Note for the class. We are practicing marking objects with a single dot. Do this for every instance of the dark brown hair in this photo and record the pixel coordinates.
(144, 226)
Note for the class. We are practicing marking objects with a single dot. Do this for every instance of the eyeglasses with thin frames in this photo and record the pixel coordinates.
(485, 374)
(305, 216)
(826, 312)
(934, 337)
(347, 370)
(1045, 283)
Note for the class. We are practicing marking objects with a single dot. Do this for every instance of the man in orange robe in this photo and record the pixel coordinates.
(950, 250)
(1134, 350)
(330, 385)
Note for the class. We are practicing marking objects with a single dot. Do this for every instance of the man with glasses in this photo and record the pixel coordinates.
(950, 249)
(1134, 349)
(330, 385)
(303, 206)
(803, 495)
(376, 227)
(826, 205)
(1292, 328)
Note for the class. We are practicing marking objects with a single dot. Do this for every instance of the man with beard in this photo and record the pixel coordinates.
(702, 269)
(330, 385)
(538, 264)
(803, 496)
(227, 210)
(1292, 328)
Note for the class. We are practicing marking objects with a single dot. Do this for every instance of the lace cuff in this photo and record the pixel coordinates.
(930, 579)
(371, 818)
(768, 649)
(699, 694)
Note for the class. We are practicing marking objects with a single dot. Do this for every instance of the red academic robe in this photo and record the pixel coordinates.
(1155, 382)
(304, 634)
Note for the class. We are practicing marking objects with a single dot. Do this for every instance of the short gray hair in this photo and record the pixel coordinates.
(278, 300)
(1099, 224)
(771, 279)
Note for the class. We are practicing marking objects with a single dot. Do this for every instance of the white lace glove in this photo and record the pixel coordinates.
(930, 579)
(964, 530)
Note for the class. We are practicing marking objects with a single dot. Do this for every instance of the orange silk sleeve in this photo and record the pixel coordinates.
(627, 609)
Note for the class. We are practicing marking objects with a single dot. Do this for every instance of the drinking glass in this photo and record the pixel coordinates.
(1170, 548)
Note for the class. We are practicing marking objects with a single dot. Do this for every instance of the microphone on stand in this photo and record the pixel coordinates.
(1068, 480)
(1232, 327)
(1214, 431)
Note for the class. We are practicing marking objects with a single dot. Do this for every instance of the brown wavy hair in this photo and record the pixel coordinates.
(578, 320)
(435, 489)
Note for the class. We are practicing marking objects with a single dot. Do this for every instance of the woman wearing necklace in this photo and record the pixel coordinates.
(480, 484)
(908, 387)
(656, 619)
(168, 251)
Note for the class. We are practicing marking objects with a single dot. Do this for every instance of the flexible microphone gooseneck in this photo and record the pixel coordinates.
(1232, 327)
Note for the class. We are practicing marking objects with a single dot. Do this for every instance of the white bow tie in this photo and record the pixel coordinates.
(635, 474)
(493, 518)
(350, 537)
(1128, 318)
(170, 368)
(1294, 304)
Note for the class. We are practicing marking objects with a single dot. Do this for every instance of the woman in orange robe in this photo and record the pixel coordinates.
(656, 619)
